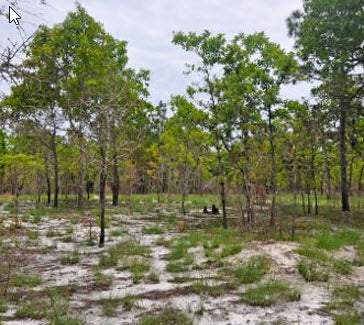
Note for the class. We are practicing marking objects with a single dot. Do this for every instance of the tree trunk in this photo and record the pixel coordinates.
(183, 209)
(115, 181)
(48, 181)
(55, 169)
(351, 174)
(80, 171)
(360, 183)
(343, 160)
(222, 189)
(102, 185)
(102, 205)
(273, 184)
(313, 175)
(302, 194)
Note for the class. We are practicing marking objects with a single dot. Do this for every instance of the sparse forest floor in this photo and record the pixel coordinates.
(149, 272)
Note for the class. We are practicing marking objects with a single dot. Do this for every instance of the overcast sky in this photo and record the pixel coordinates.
(147, 26)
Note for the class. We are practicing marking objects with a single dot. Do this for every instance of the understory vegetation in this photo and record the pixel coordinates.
(231, 203)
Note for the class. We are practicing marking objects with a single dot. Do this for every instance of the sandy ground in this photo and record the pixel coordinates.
(225, 309)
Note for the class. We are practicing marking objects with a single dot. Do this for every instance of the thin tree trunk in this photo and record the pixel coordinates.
(185, 182)
(102, 185)
(351, 174)
(115, 181)
(327, 173)
(343, 160)
(273, 169)
(48, 181)
(302, 194)
(313, 175)
(222, 190)
(80, 171)
(55, 169)
(103, 175)
(360, 183)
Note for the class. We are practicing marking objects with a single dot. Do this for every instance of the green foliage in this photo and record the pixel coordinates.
(270, 293)
(253, 270)
(132, 247)
(168, 316)
(209, 288)
(176, 267)
(333, 241)
(71, 259)
(153, 230)
(342, 305)
(318, 255)
(3, 305)
(110, 258)
(117, 233)
(31, 309)
(25, 280)
(109, 306)
(129, 302)
(102, 281)
(127, 248)
(312, 271)
(138, 269)
(153, 277)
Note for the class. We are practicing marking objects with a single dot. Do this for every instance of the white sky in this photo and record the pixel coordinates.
(147, 26)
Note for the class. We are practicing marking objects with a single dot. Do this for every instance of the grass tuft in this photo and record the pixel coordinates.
(312, 271)
(270, 293)
(253, 270)
(71, 259)
(168, 316)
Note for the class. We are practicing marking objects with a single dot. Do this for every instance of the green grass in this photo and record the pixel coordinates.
(342, 305)
(231, 250)
(117, 233)
(211, 239)
(60, 314)
(52, 233)
(138, 269)
(270, 293)
(312, 271)
(360, 253)
(176, 267)
(153, 277)
(253, 270)
(204, 287)
(25, 280)
(132, 247)
(167, 317)
(102, 281)
(33, 235)
(67, 239)
(178, 251)
(71, 259)
(110, 258)
(153, 230)
(129, 302)
(31, 309)
(333, 241)
(188, 260)
(3, 305)
(109, 306)
(319, 255)
(348, 318)
(115, 253)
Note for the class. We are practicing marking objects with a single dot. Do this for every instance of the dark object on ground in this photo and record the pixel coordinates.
(214, 210)
(205, 210)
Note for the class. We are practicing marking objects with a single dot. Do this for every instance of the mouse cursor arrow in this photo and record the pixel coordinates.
(13, 16)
